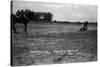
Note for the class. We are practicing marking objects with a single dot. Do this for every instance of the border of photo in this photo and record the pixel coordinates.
(5, 34)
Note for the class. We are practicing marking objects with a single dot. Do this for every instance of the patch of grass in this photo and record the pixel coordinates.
(85, 42)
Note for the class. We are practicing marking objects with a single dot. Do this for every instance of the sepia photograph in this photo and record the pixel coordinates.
(44, 33)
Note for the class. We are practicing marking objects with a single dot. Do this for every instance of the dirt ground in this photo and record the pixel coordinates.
(53, 44)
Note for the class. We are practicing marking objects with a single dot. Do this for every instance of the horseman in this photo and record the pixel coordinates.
(85, 26)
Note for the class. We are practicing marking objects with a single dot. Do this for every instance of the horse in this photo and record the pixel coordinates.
(19, 19)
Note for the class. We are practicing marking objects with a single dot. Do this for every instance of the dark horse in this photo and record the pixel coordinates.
(17, 19)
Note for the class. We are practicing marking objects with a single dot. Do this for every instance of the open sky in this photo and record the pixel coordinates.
(61, 11)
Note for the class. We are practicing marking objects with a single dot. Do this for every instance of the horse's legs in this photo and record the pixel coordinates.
(14, 28)
(25, 29)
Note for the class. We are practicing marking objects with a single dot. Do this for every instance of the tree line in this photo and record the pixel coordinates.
(34, 16)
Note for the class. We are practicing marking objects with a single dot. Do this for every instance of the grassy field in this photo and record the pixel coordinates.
(54, 43)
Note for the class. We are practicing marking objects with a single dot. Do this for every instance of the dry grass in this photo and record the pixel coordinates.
(54, 37)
